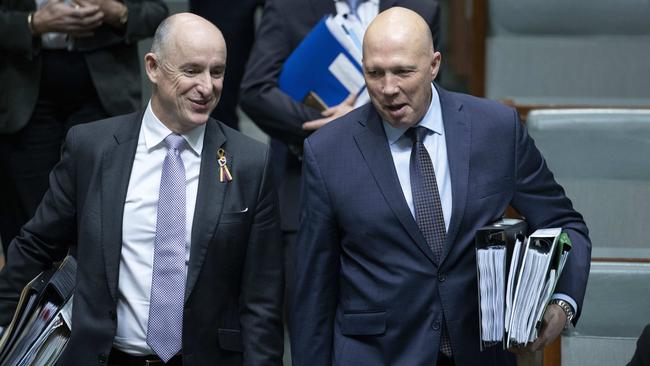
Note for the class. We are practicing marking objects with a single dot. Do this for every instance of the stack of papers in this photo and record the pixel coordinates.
(516, 279)
(41, 325)
(544, 257)
(326, 66)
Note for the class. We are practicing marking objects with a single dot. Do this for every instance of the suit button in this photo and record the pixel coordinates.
(102, 358)
(442, 277)
(436, 325)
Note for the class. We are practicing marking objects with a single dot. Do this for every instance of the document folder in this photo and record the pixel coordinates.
(516, 279)
(495, 246)
(42, 315)
(321, 65)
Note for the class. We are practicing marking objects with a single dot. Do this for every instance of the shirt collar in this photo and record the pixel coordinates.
(430, 120)
(155, 132)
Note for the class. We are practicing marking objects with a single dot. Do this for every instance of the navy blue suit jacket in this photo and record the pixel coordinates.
(368, 291)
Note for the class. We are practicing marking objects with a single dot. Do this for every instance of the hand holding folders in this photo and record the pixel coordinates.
(517, 277)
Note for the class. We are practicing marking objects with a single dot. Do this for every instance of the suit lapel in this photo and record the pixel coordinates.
(117, 163)
(376, 152)
(209, 201)
(458, 138)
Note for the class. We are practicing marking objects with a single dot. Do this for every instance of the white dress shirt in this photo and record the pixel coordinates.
(366, 10)
(139, 227)
(52, 40)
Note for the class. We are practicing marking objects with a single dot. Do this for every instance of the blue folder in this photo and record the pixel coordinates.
(306, 69)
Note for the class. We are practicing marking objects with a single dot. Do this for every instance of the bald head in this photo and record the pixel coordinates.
(179, 28)
(399, 26)
(186, 68)
(399, 65)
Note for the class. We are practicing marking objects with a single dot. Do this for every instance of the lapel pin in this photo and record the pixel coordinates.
(224, 173)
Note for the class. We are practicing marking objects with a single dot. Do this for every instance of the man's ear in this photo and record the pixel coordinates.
(152, 67)
(435, 64)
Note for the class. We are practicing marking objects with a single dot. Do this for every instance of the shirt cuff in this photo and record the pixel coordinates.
(568, 299)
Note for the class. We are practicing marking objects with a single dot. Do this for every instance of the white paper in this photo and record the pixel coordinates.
(345, 72)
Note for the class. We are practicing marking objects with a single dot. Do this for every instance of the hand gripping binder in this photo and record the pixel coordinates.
(516, 280)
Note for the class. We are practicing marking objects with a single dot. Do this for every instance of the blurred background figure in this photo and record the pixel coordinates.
(642, 355)
(237, 23)
(63, 63)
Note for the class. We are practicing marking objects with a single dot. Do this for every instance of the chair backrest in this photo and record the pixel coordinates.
(615, 311)
(587, 49)
(602, 159)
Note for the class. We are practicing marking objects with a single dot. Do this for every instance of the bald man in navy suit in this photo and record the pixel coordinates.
(393, 193)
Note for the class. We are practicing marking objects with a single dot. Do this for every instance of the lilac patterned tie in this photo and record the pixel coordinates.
(165, 327)
(428, 209)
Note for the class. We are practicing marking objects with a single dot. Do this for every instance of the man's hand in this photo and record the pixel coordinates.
(552, 326)
(331, 114)
(113, 10)
(57, 16)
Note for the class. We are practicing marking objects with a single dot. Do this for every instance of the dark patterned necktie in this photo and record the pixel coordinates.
(427, 206)
(426, 199)
(165, 328)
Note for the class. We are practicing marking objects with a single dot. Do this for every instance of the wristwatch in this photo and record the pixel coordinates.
(568, 310)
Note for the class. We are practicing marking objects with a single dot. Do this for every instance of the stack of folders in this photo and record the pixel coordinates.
(326, 66)
(516, 279)
(40, 328)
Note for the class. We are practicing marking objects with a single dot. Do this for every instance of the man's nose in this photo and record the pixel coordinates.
(390, 85)
(204, 82)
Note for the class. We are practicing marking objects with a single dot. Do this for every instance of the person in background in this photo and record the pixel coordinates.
(63, 63)
(641, 356)
(284, 25)
(237, 23)
(393, 193)
(173, 219)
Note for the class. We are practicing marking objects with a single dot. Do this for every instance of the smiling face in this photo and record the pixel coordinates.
(399, 65)
(187, 73)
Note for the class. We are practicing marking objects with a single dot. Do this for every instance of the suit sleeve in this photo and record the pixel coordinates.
(45, 238)
(144, 18)
(20, 42)
(263, 281)
(543, 202)
(317, 267)
(261, 98)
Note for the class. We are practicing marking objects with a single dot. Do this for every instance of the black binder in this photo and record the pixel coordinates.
(39, 309)
(499, 236)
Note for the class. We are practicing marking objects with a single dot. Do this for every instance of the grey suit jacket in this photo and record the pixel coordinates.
(233, 299)
(111, 57)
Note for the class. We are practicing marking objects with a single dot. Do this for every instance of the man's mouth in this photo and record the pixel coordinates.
(397, 110)
(200, 104)
(395, 107)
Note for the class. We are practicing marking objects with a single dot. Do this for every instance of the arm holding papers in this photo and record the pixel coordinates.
(281, 30)
(542, 201)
